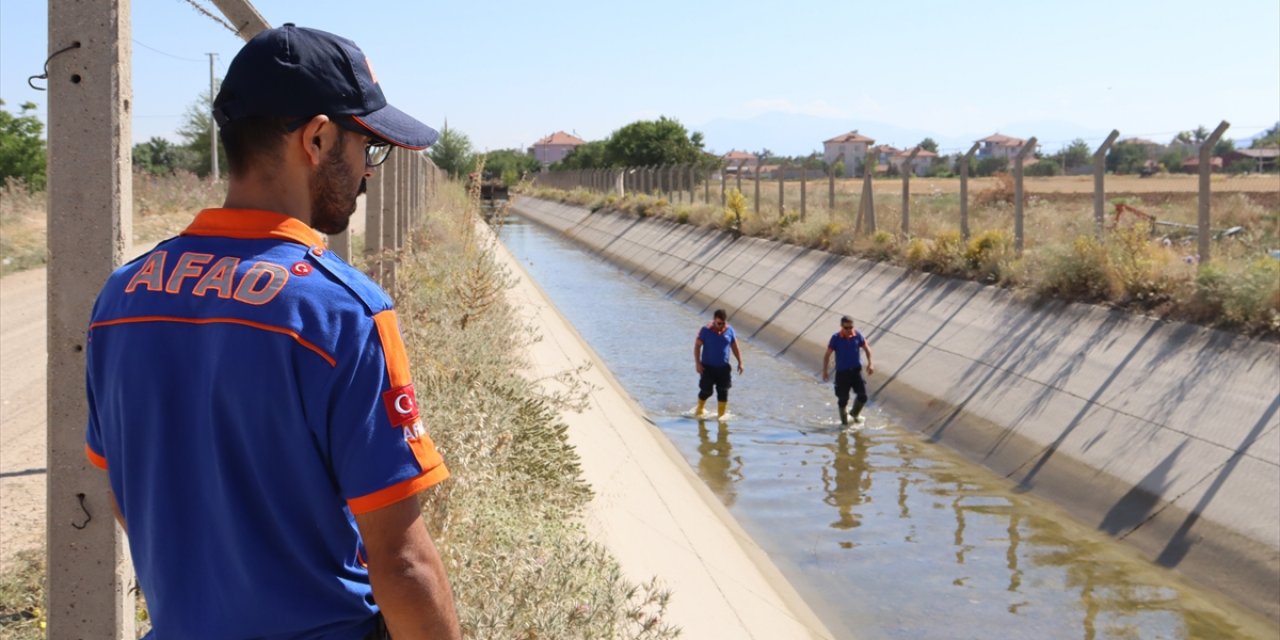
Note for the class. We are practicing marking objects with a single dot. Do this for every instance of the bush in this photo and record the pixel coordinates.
(735, 211)
(1081, 273)
(884, 246)
(945, 254)
(988, 255)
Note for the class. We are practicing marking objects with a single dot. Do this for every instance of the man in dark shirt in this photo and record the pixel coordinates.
(711, 359)
(846, 344)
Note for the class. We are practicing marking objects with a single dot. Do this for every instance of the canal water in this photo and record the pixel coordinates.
(885, 535)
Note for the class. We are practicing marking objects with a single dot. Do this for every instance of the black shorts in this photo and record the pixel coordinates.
(721, 378)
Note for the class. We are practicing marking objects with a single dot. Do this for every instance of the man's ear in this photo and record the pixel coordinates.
(316, 135)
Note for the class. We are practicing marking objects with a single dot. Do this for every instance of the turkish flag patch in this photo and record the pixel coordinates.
(402, 405)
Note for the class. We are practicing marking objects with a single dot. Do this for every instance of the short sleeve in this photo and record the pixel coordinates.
(379, 449)
(831, 344)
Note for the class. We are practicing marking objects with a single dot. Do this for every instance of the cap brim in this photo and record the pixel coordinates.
(398, 128)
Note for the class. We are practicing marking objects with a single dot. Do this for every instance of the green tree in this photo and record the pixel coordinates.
(158, 156)
(1183, 137)
(929, 144)
(22, 149)
(1076, 154)
(452, 152)
(838, 169)
(195, 135)
(510, 165)
(991, 166)
(1200, 134)
(652, 142)
(1172, 159)
(1126, 157)
(585, 156)
(1270, 138)
(1224, 146)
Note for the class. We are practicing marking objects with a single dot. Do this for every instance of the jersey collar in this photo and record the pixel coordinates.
(252, 224)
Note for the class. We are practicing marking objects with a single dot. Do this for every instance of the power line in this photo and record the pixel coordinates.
(213, 17)
(164, 53)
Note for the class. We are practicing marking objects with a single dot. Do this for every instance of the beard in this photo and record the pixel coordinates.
(331, 202)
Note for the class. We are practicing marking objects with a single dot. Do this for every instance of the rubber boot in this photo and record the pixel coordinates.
(721, 408)
(857, 410)
(702, 405)
(844, 416)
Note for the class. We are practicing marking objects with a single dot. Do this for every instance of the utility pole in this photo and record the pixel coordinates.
(213, 124)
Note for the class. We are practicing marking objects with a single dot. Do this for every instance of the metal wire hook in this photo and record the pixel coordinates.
(45, 75)
(87, 516)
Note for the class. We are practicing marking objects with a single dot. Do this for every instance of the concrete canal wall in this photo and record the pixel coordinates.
(1162, 434)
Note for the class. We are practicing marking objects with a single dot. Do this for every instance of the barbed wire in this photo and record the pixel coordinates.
(213, 17)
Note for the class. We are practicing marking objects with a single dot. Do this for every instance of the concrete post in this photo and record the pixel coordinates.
(390, 209)
(757, 183)
(741, 164)
(90, 222)
(692, 182)
(724, 182)
(1206, 157)
(964, 191)
(243, 17)
(868, 194)
(1099, 173)
(782, 205)
(1017, 194)
(673, 170)
(403, 199)
(831, 185)
(804, 180)
(906, 170)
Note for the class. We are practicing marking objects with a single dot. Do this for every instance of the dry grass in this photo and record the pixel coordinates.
(162, 206)
(1131, 268)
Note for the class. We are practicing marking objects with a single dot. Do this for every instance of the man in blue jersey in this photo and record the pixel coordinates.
(249, 392)
(846, 344)
(711, 359)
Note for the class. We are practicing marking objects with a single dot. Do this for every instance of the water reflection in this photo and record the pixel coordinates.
(921, 544)
(716, 467)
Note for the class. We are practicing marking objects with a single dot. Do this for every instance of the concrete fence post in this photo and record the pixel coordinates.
(1206, 168)
(782, 181)
(90, 223)
(831, 185)
(804, 180)
(756, 174)
(868, 206)
(906, 169)
(1018, 205)
(692, 181)
(964, 190)
(741, 164)
(390, 208)
(1099, 175)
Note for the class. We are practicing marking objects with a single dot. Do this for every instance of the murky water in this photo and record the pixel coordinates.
(884, 534)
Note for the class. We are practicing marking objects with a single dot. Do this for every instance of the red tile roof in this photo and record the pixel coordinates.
(852, 136)
(1004, 141)
(560, 137)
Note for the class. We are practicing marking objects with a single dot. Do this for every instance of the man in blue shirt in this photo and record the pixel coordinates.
(249, 391)
(711, 359)
(846, 344)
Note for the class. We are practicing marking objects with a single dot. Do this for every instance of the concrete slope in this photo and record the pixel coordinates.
(1162, 434)
(649, 509)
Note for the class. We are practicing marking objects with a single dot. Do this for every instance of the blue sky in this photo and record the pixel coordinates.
(507, 73)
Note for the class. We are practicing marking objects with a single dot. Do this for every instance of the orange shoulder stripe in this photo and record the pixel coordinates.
(393, 348)
(248, 323)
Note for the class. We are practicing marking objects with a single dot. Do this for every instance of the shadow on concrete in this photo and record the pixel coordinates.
(1139, 503)
(24, 472)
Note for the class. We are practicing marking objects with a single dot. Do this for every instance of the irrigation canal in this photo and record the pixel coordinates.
(884, 534)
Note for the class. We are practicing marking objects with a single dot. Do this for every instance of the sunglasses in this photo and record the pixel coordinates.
(847, 326)
(376, 151)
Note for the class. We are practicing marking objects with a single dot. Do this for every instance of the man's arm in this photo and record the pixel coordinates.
(826, 362)
(697, 355)
(737, 354)
(408, 578)
(866, 348)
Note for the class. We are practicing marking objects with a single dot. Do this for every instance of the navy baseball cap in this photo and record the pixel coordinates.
(296, 72)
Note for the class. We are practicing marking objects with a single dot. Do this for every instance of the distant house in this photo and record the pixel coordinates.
(1261, 160)
(852, 146)
(1000, 146)
(555, 147)
(735, 159)
(919, 165)
(1192, 164)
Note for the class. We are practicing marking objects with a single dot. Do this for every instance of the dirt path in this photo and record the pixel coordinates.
(22, 412)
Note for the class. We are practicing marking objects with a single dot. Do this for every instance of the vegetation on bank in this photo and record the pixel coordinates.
(508, 522)
(1128, 269)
